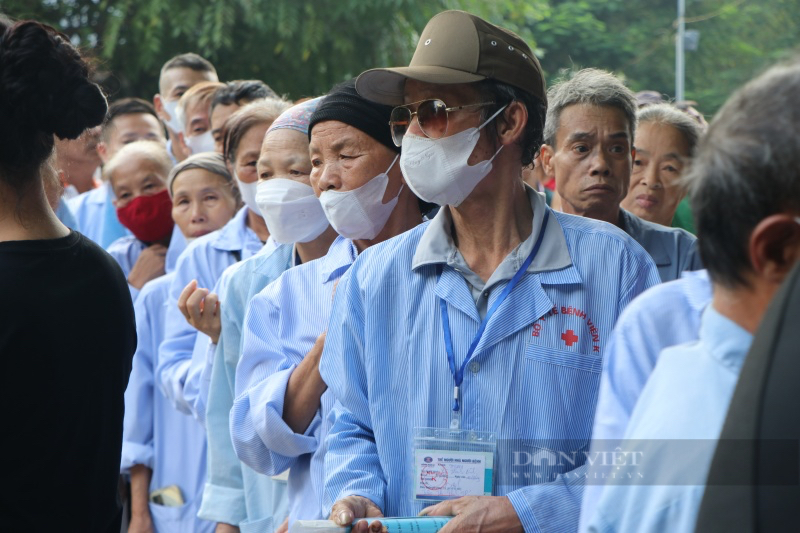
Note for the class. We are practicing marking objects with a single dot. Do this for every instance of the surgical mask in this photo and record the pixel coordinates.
(148, 217)
(437, 170)
(173, 123)
(360, 213)
(291, 210)
(248, 192)
(201, 143)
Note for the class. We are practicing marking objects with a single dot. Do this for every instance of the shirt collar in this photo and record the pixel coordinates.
(727, 342)
(340, 256)
(233, 235)
(436, 244)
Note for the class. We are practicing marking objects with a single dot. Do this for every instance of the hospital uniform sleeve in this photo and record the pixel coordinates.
(137, 439)
(175, 352)
(260, 436)
(352, 464)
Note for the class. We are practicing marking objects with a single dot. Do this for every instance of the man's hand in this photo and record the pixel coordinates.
(149, 266)
(473, 514)
(200, 307)
(226, 528)
(352, 507)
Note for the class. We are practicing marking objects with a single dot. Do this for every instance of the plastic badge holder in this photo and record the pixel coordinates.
(420, 524)
(451, 463)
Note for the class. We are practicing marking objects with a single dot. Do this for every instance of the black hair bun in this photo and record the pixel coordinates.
(45, 85)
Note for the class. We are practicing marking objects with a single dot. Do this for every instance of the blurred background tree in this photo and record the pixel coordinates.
(302, 47)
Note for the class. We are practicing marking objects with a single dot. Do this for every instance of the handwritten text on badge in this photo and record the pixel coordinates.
(444, 475)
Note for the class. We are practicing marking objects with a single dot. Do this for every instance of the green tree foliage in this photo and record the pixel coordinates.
(303, 47)
(300, 48)
(636, 40)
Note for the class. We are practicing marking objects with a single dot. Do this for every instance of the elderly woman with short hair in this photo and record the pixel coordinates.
(665, 142)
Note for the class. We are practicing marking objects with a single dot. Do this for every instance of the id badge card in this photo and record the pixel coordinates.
(451, 463)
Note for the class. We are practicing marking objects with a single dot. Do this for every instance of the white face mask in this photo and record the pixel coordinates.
(248, 192)
(360, 213)
(291, 211)
(172, 109)
(201, 143)
(437, 169)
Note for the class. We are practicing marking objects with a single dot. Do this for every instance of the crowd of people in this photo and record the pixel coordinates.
(441, 289)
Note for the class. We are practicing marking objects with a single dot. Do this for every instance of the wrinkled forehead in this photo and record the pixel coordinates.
(283, 143)
(135, 169)
(582, 120)
(197, 179)
(334, 136)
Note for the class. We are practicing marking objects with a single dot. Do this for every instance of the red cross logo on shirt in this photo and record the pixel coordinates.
(569, 337)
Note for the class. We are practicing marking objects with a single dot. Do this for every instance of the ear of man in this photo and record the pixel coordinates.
(546, 154)
(102, 151)
(775, 247)
(511, 124)
(158, 103)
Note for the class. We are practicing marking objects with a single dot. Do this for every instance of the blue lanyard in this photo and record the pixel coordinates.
(458, 374)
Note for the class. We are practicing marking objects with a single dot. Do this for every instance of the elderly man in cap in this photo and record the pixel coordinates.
(591, 122)
(465, 354)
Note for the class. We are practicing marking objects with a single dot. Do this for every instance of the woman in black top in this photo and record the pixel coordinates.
(67, 331)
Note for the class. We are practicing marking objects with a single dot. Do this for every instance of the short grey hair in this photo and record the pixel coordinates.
(588, 86)
(747, 168)
(208, 161)
(669, 115)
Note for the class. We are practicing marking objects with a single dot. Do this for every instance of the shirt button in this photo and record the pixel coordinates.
(485, 294)
(474, 367)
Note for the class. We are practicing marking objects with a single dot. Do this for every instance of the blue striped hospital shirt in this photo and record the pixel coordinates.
(533, 380)
(282, 324)
(663, 316)
(155, 435)
(204, 260)
(198, 377)
(263, 505)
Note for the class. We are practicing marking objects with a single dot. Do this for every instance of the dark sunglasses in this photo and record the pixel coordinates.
(431, 117)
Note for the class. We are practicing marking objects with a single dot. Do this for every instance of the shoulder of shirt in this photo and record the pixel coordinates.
(576, 227)
(665, 299)
(231, 270)
(395, 249)
(678, 360)
(123, 243)
(681, 350)
(158, 287)
(648, 226)
(202, 243)
(114, 270)
(301, 272)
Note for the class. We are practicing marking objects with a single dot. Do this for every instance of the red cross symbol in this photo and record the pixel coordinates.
(569, 337)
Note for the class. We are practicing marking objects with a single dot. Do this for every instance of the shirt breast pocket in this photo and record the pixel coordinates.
(558, 392)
